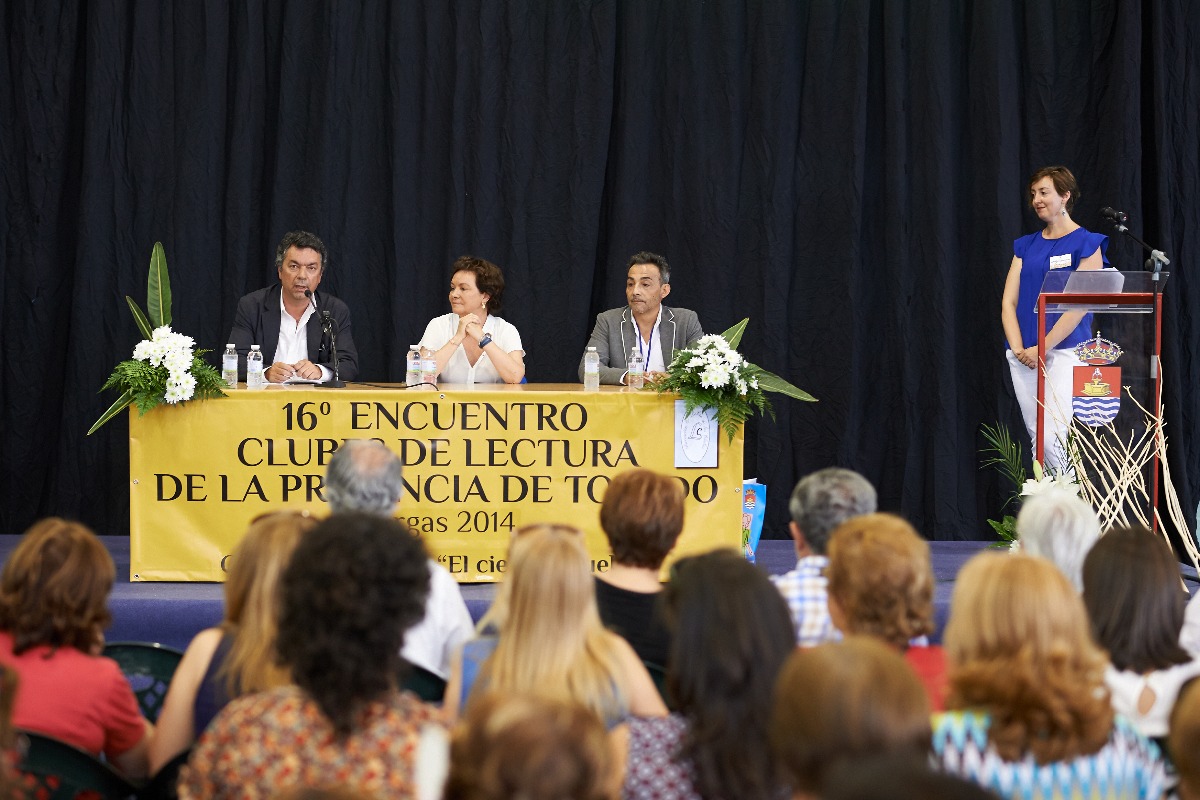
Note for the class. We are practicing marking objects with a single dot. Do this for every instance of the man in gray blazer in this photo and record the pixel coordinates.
(656, 330)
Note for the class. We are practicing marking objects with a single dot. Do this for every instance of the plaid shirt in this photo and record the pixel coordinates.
(804, 590)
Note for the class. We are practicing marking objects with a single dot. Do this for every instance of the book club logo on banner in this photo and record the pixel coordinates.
(1096, 388)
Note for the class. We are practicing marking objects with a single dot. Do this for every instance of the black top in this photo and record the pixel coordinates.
(635, 616)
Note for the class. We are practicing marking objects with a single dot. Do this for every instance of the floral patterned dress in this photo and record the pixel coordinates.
(262, 744)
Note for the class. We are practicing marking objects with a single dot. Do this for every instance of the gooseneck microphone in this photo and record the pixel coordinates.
(1117, 217)
(329, 328)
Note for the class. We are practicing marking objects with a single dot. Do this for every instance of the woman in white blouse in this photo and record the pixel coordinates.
(471, 344)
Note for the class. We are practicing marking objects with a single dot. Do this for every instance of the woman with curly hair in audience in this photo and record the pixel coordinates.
(1032, 716)
(532, 748)
(550, 640)
(238, 657)
(840, 703)
(354, 585)
(731, 632)
(1132, 591)
(881, 585)
(53, 610)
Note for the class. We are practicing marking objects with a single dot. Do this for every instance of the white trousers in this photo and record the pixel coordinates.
(1060, 368)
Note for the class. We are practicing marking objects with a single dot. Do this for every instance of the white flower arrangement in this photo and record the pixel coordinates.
(166, 367)
(173, 351)
(1045, 480)
(713, 374)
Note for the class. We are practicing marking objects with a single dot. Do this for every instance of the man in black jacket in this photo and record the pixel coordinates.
(292, 323)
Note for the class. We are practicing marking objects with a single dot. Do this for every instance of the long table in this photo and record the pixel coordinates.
(479, 462)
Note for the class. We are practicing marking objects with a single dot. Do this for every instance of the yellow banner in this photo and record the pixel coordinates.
(478, 463)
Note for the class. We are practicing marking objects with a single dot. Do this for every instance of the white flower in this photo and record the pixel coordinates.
(714, 376)
(178, 361)
(741, 386)
(143, 350)
(166, 348)
(1050, 482)
(180, 387)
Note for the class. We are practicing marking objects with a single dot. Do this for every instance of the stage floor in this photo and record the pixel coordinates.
(172, 613)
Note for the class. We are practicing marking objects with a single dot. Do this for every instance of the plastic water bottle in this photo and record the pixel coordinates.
(229, 366)
(429, 371)
(254, 369)
(412, 374)
(591, 370)
(635, 378)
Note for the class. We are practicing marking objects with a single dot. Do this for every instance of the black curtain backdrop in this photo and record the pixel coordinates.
(849, 175)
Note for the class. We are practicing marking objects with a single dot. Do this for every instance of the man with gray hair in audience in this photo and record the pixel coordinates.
(363, 475)
(819, 503)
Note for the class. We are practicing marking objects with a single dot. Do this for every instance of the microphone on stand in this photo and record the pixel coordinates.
(1114, 216)
(330, 330)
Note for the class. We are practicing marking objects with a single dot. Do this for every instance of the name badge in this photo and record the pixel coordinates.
(1060, 262)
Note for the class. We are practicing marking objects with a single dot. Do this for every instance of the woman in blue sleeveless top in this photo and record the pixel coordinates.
(1061, 245)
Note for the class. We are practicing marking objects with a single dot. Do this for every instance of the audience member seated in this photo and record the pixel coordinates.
(550, 640)
(364, 475)
(53, 611)
(238, 657)
(881, 585)
(731, 634)
(354, 585)
(532, 748)
(819, 503)
(841, 702)
(10, 786)
(328, 793)
(642, 515)
(1032, 717)
(898, 778)
(1132, 592)
(1061, 528)
(1183, 741)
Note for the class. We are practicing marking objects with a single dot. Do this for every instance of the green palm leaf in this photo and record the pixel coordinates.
(158, 289)
(123, 402)
(734, 335)
(140, 318)
(770, 382)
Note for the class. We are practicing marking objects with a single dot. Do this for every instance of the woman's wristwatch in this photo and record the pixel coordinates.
(485, 341)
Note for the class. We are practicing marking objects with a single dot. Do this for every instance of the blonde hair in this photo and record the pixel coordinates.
(880, 575)
(1019, 648)
(252, 601)
(552, 643)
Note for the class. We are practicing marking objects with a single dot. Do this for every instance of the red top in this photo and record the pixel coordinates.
(70, 695)
(930, 665)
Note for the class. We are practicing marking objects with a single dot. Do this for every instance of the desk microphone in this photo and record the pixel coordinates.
(329, 329)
